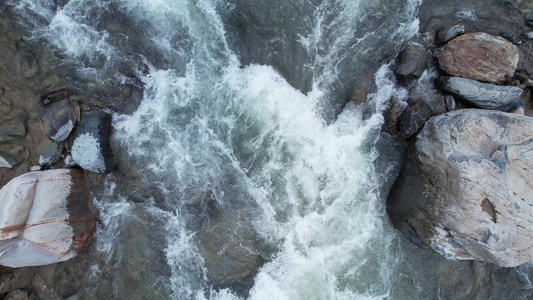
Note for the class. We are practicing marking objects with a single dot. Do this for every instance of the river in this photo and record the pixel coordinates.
(267, 186)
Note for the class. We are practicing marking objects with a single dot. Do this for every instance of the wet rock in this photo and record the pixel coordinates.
(410, 63)
(479, 56)
(422, 104)
(91, 148)
(529, 18)
(12, 126)
(363, 85)
(50, 153)
(391, 115)
(59, 118)
(483, 95)
(7, 160)
(465, 188)
(446, 34)
(45, 218)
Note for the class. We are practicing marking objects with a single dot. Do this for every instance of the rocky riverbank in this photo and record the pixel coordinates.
(37, 88)
(464, 188)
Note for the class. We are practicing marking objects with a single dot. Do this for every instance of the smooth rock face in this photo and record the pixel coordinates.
(59, 118)
(479, 56)
(44, 218)
(483, 95)
(91, 148)
(466, 188)
(410, 63)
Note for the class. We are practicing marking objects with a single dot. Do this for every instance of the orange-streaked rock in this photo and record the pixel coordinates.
(479, 56)
(44, 218)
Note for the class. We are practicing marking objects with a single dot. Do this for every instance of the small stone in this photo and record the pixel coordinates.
(59, 119)
(518, 110)
(529, 35)
(7, 160)
(69, 161)
(12, 126)
(446, 34)
(35, 168)
(50, 153)
(450, 103)
(529, 18)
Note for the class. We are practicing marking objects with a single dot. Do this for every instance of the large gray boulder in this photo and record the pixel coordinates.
(465, 188)
(483, 95)
(44, 218)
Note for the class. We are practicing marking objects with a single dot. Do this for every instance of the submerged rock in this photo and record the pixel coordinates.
(479, 56)
(483, 95)
(91, 148)
(45, 218)
(59, 118)
(228, 247)
(465, 187)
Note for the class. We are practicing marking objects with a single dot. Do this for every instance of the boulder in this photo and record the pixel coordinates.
(44, 218)
(59, 118)
(50, 153)
(7, 160)
(465, 187)
(480, 94)
(479, 56)
(448, 33)
(410, 63)
(92, 148)
(422, 104)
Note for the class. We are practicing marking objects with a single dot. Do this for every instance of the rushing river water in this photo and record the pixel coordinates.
(269, 187)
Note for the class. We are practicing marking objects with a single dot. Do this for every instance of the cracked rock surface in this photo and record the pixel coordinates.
(465, 188)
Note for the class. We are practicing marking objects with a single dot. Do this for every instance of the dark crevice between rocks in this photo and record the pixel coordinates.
(488, 207)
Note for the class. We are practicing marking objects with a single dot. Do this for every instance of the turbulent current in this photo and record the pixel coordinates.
(265, 185)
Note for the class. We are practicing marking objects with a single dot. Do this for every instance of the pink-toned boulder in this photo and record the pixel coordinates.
(479, 56)
(44, 218)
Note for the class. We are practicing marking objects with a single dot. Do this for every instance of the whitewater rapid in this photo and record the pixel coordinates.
(250, 138)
